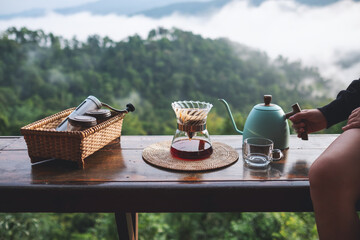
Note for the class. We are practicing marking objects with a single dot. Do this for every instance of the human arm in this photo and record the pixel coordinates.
(353, 120)
(336, 111)
(341, 108)
(309, 120)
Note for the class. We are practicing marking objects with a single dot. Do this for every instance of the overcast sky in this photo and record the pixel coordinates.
(318, 36)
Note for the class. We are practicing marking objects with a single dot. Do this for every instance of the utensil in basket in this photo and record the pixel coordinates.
(90, 103)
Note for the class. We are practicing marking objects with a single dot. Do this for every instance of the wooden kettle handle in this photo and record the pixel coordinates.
(296, 108)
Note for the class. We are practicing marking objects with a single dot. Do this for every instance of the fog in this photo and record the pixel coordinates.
(316, 36)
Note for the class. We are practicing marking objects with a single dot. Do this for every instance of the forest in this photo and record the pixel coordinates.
(41, 74)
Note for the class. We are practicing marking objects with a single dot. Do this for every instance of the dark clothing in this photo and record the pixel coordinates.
(345, 102)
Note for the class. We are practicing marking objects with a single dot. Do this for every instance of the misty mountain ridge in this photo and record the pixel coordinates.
(153, 9)
(46, 74)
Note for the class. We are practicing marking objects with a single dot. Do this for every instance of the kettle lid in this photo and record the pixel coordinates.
(267, 105)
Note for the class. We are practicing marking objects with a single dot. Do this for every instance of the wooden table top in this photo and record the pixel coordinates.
(116, 178)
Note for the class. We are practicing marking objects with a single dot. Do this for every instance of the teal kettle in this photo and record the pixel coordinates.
(265, 120)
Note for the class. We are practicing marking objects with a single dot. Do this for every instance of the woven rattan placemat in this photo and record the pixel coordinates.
(159, 155)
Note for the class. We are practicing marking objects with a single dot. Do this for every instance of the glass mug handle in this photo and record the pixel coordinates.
(276, 155)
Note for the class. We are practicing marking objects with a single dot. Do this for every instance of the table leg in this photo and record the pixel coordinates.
(127, 225)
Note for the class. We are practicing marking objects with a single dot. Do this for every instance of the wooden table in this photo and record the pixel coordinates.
(117, 179)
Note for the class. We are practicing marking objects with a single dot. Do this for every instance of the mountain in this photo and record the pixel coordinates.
(190, 8)
(196, 8)
(305, 2)
(119, 7)
(41, 74)
(33, 13)
(153, 9)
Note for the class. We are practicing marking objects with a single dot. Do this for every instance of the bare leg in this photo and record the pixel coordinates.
(335, 188)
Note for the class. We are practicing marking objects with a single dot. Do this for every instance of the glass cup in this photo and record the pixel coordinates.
(259, 152)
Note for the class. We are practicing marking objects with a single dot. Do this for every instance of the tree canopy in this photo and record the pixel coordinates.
(41, 74)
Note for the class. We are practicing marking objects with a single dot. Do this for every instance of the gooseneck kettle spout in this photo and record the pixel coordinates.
(231, 117)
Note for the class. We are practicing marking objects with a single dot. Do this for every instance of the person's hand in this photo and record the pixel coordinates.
(353, 120)
(309, 120)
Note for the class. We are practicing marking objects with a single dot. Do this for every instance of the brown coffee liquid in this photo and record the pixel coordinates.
(193, 149)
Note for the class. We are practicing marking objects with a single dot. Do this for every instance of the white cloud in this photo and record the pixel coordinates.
(318, 36)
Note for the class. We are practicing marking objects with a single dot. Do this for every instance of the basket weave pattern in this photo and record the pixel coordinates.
(44, 142)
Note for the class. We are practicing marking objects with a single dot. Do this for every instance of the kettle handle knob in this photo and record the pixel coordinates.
(267, 99)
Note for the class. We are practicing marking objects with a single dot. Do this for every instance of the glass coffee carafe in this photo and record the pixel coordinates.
(191, 140)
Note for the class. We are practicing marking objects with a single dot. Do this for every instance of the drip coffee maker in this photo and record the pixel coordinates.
(191, 140)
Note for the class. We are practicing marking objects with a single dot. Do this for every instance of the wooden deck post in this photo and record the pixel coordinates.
(127, 225)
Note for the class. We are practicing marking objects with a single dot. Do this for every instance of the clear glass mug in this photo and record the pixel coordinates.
(259, 152)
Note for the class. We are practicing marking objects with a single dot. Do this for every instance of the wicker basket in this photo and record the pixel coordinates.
(44, 142)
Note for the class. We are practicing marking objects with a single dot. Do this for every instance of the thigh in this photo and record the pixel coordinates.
(345, 149)
(340, 162)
